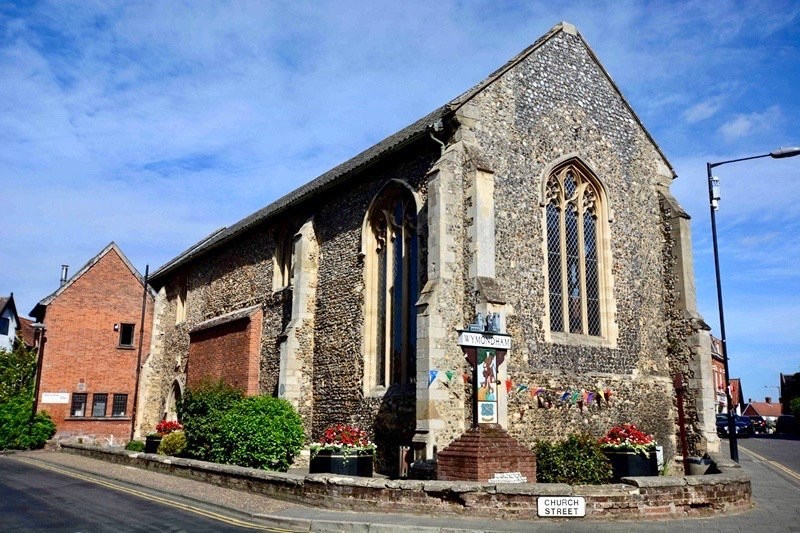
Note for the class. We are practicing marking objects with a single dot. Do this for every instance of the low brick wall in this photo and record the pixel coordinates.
(636, 498)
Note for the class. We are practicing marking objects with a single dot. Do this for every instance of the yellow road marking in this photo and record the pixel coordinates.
(777, 465)
(152, 497)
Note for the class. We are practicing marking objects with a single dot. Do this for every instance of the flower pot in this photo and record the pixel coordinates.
(151, 444)
(352, 463)
(625, 462)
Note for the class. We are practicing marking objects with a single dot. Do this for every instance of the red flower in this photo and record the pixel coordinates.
(626, 434)
(166, 427)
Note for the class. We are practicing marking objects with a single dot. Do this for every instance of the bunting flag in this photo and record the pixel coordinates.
(466, 377)
(449, 374)
(574, 398)
(589, 398)
(565, 396)
(509, 384)
(432, 376)
(520, 387)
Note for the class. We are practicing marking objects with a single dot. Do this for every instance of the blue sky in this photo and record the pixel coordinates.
(154, 123)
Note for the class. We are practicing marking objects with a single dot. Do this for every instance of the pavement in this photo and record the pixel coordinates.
(776, 494)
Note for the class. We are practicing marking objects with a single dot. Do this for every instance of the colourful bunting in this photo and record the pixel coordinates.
(432, 376)
(449, 374)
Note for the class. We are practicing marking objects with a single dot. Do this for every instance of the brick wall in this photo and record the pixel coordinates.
(228, 352)
(82, 353)
(658, 497)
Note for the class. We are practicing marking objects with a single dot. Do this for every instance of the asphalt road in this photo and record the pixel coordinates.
(780, 452)
(38, 499)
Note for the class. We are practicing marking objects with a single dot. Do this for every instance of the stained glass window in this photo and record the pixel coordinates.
(572, 256)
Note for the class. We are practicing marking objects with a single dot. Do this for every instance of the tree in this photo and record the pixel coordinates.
(18, 430)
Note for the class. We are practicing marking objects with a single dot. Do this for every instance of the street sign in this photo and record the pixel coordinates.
(561, 506)
(498, 341)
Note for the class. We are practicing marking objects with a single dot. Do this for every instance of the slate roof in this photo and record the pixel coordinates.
(369, 156)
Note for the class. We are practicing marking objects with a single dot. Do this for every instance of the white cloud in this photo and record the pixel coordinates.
(748, 124)
(702, 110)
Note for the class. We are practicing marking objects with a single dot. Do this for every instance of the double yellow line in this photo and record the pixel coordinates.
(152, 497)
(784, 469)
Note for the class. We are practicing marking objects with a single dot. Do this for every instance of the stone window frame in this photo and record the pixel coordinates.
(283, 259)
(369, 245)
(609, 330)
(180, 300)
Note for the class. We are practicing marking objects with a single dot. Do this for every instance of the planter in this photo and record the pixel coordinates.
(628, 463)
(357, 463)
(151, 444)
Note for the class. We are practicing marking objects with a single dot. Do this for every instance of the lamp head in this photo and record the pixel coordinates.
(789, 151)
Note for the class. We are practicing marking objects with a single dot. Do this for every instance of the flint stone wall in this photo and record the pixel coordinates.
(558, 103)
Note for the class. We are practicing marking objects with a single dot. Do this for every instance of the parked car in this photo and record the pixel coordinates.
(759, 424)
(744, 427)
(785, 424)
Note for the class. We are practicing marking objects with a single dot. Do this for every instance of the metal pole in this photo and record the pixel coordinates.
(732, 437)
(139, 355)
(39, 353)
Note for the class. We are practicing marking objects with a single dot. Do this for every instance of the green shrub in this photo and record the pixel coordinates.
(16, 430)
(259, 432)
(794, 406)
(172, 444)
(578, 460)
(200, 411)
(135, 446)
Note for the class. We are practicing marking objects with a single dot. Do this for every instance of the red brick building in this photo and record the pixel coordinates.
(93, 324)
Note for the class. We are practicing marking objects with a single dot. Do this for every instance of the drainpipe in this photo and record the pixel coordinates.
(437, 126)
(139, 355)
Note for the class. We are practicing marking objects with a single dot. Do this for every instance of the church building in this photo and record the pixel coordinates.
(537, 197)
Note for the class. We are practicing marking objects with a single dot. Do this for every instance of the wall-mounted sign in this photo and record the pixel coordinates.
(55, 397)
(498, 341)
(561, 506)
(487, 385)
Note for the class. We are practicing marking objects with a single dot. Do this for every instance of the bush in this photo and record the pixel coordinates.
(135, 446)
(16, 430)
(200, 411)
(172, 444)
(794, 406)
(259, 432)
(579, 460)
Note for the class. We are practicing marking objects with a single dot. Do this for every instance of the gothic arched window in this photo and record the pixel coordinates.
(574, 254)
(391, 284)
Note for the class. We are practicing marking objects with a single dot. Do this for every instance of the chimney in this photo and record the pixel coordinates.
(768, 399)
(64, 270)
(749, 400)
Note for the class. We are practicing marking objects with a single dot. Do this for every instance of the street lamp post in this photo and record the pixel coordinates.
(713, 200)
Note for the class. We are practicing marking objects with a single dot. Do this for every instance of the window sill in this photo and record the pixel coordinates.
(393, 390)
(97, 418)
(122, 347)
(578, 339)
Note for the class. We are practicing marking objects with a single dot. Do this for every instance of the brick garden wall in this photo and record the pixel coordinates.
(635, 499)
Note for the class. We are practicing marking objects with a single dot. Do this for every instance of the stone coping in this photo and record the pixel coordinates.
(635, 498)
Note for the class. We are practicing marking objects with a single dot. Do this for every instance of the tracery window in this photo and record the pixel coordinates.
(391, 282)
(574, 261)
